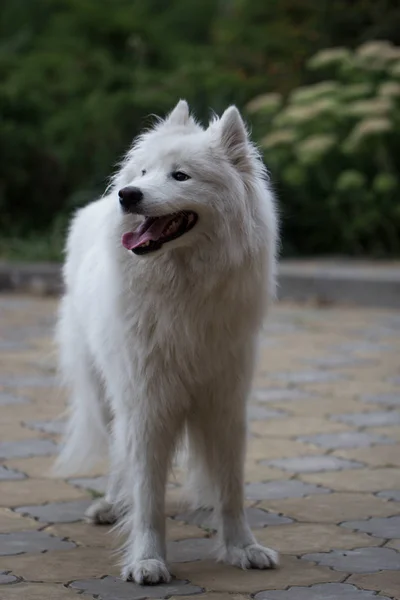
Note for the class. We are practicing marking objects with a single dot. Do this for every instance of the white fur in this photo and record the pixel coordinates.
(154, 346)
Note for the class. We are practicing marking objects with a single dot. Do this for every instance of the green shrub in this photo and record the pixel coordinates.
(333, 149)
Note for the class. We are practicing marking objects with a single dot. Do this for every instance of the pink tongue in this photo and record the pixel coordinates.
(145, 232)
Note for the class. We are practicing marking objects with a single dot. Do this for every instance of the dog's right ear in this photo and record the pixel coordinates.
(179, 115)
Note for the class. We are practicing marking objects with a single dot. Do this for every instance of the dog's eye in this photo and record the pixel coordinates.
(180, 176)
(144, 172)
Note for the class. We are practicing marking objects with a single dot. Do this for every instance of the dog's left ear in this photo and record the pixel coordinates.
(179, 115)
(234, 138)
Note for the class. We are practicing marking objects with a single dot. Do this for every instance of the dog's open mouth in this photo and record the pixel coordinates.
(153, 232)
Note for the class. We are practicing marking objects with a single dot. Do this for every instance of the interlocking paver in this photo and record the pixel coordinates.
(390, 495)
(282, 489)
(361, 560)
(346, 439)
(6, 473)
(19, 542)
(25, 448)
(112, 588)
(313, 464)
(389, 398)
(384, 527)
(371, 419)
(318, 484)
(323, 591)
(57, 512)
(256, 517)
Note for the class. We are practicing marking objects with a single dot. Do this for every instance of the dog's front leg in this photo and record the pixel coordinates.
(151, 443)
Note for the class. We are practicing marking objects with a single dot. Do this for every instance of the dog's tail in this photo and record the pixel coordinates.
(85, 441)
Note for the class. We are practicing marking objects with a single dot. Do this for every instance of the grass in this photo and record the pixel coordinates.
(32, 247)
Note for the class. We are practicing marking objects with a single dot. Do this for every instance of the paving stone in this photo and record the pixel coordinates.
(301, 538)
(308, 376)
(384, 527)
(256, 518)
(390, 495)
(257, 413)
(11, 521)
(361, 560)
(313, 464)
(323, 591)
(19, 542)
(281, 394)
(223, 578)
(294, 426)
(389, 398)
(345, 439)
(37, 491)
(386, 582)
(112, 588)
(362, 347)
(374, 456)
(394, 380)
(190, 550)
(282, 489)
(25, 448)
(39, 591)
(98, 484)
(56, 427)
(8, 398)
(366, 480)
(255, 472)
(261, 448)
(7, 578)
(332, 508)
(391, 431)
(371, 419)
(6, 473)
(338, 362)
(26, 382)
(62, 566)
(57, 512)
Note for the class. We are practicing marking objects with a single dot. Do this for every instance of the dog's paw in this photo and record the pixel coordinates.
(253, 556)
(101, 512)
(147, 572)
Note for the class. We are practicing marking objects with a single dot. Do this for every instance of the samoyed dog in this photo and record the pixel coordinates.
(167, 280)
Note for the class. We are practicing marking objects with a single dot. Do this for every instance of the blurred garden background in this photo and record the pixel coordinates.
(318, 81)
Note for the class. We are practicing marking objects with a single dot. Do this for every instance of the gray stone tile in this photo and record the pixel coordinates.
(7, 578)
(371, 419)
(6, 473)
(321, 591)
(26, 448)
(97, 484)
(395, 380)
(30, 541)
(56, 426)
(388, 399)
(313, 464)
(382, 527)
(190, 550)
(6, 399)
(259, 413)
(281, 328)
(256, 518)
(112, 588)
(290, 488)
(57, 512)
(338, 362)
(13, 345)
(363, 347)
(346, 439)
(390, 495)
(308, 376)
(361, 560)
(279, 395)
(28, 382)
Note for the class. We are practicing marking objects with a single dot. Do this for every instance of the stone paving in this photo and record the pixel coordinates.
(322, 470)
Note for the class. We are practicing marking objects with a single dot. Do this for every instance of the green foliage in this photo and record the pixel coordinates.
(333, 148)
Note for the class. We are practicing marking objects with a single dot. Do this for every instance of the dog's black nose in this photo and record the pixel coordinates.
(129, 197)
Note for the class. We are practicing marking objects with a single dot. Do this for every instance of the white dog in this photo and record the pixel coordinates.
(167, 280)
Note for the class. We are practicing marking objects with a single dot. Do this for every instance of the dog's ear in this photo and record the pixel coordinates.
(179, 115)
(234, 139)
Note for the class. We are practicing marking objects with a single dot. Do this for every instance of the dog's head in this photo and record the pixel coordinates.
(182, 185)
